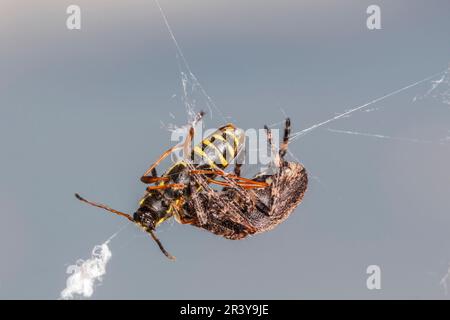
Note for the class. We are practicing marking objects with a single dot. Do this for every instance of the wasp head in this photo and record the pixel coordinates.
(153, 210)
(150, 214)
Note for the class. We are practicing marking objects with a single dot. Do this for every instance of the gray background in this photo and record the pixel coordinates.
(81, 111)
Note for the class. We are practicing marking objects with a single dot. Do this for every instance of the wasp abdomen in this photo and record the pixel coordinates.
(219, 149)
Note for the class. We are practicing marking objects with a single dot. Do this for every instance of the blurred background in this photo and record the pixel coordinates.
(86, 111)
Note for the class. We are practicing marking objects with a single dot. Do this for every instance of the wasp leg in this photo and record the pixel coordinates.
(161, 247)
(149, 180)
(152, 168)
(244, 185)
(244, 182)
(187, 220)
(175, 186)
(187, 143)
(182, 218)
(161, 158)
(185, 146)
(208, 171)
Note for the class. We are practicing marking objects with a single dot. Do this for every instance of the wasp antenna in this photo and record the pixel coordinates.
(102, 206)
(167, 254)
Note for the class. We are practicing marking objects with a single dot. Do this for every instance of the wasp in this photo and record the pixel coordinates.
(243, 207)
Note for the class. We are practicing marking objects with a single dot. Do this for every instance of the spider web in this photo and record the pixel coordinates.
(85, 275)
(439, 89)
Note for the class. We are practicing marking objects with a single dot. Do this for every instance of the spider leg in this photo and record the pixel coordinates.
(272, 147)
(285, 143)
(269, 135)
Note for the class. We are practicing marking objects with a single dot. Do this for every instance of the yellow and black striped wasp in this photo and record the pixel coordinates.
(170, 194)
